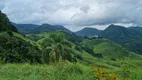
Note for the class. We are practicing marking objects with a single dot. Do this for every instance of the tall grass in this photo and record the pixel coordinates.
(60, 71)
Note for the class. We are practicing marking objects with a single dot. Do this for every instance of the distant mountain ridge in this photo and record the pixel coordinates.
(50, 28)
(89, 32)
(130, 37)
(136, 29)
(32, 28)
(25, 28)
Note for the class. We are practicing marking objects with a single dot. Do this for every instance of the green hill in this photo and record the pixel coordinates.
(132, 40)
(89, 50)
(108, 48)
(15, 48)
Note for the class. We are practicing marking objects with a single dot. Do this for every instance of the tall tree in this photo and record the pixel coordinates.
(56, 48)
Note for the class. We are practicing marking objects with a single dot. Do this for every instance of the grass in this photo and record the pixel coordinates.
(62, 71)
(109, 49)
(112, 50)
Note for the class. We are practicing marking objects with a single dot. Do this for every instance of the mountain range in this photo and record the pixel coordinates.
(130, 37)
(32, 28)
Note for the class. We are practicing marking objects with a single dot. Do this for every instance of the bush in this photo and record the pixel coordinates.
(99, 55)
(10, 33)
(77, 56)
(78, 48)
(113, 59)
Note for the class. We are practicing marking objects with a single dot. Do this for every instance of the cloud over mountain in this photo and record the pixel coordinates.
(74, 13)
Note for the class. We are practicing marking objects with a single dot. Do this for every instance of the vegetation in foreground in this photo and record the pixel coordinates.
(65, 71)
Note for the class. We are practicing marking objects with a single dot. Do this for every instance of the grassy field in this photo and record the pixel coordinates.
(109, 49)
(44, 72)
(64, 71)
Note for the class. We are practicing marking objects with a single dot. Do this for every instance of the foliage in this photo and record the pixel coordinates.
(77, 56)
(56, 48)
(106, 48)
(125, 72)
(78, 48)
(58, 71)
(14, 49)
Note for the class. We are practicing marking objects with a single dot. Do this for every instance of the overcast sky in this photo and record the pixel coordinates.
(74, 14)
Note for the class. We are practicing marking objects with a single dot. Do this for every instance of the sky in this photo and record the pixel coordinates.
(74, 14)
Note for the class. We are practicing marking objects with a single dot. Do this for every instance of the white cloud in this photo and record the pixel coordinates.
(74, 14)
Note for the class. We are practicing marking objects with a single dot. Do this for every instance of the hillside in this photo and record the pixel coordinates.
(108, 49)
(103, 46)
(136, 29)
(132, 40)
(15, 49)
(69, 36)
(88, 32)
(13, 46)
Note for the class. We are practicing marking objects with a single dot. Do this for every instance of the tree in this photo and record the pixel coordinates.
(10, 33)
(56, 48)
